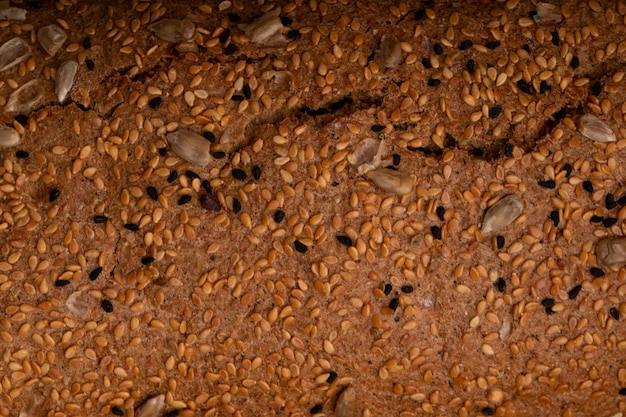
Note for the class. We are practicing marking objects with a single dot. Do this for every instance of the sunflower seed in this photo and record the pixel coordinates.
(611, 251)
(190, 146)
(503, 213)
(51, 38)
(153, 407)
(11, 13)
(391, 180)
(8, 137)
(347, 404)
(13, 52)
(24, 98)
(65, 79)
(367, 155)
(267, 29)
(548, 13)
(595, 129)
(390, 51)
(173, 30)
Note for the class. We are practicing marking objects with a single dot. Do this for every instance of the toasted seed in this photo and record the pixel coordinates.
(8, 137)
(173, 30)
(153, 407)
(51, 38)
(12, 52)
(611, 251)
(190, 146)
(267, 29)
(595, 129)
(65, 79)
(391, 180)
(24, 98)
(347, 403)
(391, 51)
(503, 213)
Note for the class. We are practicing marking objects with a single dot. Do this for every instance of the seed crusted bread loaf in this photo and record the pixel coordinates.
(312, 208)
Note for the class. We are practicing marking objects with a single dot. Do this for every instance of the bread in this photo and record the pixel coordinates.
(332, 208)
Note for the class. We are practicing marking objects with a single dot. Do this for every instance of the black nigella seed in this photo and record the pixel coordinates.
(609, 221)
(436, 232)
(279, 216)
(622, 391)
(152, 193)
(387, 289)
(596, 219)
(21, 119)
(554, 216)
(224, 35)
(233, 17)
(209, 136)
(573, 293)
(247, 92)
(488, 411)
(526, 87)
(209, 202)
(93, 275)
(317, 408)
(493, 45)
(575, 62)
(256, 172)
(107, 305)
(548, 183)
(438, 48)
(191, 175)
(238, 98)
(614, 312)
(173, 413)
(434, 82)
(332, 375)
(543, 87)
(526, 48)
(471, 65)
(90, 64)
(61, 282)
(116, 411)
(495, 112)
(394, 303)
(501, 284)
(22, 154)
(440, 210)
(596, 88)
(100, 219)
(426, 63)
(147, 260)
(172, 177)
(378, 128)
(396, 159)
(568, 169)
(555, 38)
(549, 311)
(163, 151)
(420, 15)
(87, 42)
(236, 205)
(596, 272)
(219, 155)
(300, 247)
(407, 289)
(345, 240)
(500, 241)
(508, 150)
(230, 49)
(54, 194)
(286, 21)
(155, 102)
(239, 174)
(548, 302)
(466, 44)
(132, 227)
(184, 199)
(609, 201)
(293, 34)
(622, 200)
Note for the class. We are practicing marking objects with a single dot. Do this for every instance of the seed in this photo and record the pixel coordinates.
(190, 146)
(346, 403)
(266, 29)
(609, 221)
(209, 136)
(12, 52)
(500, 241)
(99, 219)
(622, 391)
(21, 154)
(407, 289)
(345, 240)
(147, 260)
(387, 289)
(434, 82)
(65, 79)
(239, 174)
(488, 411)
(256, 172)
(87, 42)
(116, 411)
(300, 247)
(503, 213)
(596, 219)
(595, 129)
(317, 408)
(184, 199)
(493, 44)
(173, 30)
(588, 186)
(394, 303)
(8, 137)
(609, 201)
(172, 177)
(436, 232)
(391, 51)
(501, 284)
(279, 215)
(219, 155)
(526, 87)
(90, 64)
(152, 407)
(555, 217)
(494, 112)
(51, 38)
(107, 306)
(54, 195)
(466, 44)
(575, 62)
(614, 312)
(131, 226)
(548, 302)
(377, 128)
(438, 49)
(548, 13)
(155, 102)
(152, 193)
(61, 282)
(332, 376)
(24, 98)
(391, 180)
(420, 15)
(236, 205)
(596, 272)
(209, 202)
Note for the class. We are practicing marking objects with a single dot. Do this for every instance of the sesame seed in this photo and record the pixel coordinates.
(548, 184)
(596, 88)
(575, 62)
(555, 38)
(256, 172)
(622, 391)
(230, 49)
(500, 241)
(573, 293)
(407, 289)
(371, 56)
(332, 376)
(568, 169)
(596, 272)
(172, 177)
(419, 15)
(596, 219)
(622, 200)
(173, 413)
(396, 160)
(279, 215)
(436, 232)
(61, 282)
(239, 174)
(247, 91)
(87, 42)
(237, 98)
(609, 221)
(471, 66)
(132, 227)
(293, 34)
(526, 87)
(116, 411)
(495, 112)
(317, 408)
(609, 201)
(466, 44)
(549, 311)
(548, 302)
(508, 150)
(300, 247)
(209, 202)
(54, 195)
(90, 64)
(236, 205)
(152, 193)
(614, 312)
(107, 305)
(345, 240)
(206, 185)
(544, 87)
(22, 154)
(501, 284)
(233, 17)
(99, 219)
(224, 35)
(93, 275)
(147, 260)
(387, 289)
(21, 119)
(155, 102)
(394, 303)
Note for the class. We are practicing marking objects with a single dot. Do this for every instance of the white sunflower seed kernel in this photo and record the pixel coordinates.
(51, 38)
(267, 29)
(547, 13)
(503, 213)
(153, 407)
(8, 137)
(65, 79)
(347, 404)
(173, 30)
(595, 129)
(611, 251)
(24, 98)
(390, 180)
(391, 51)
(190, 146)
(12, 52)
